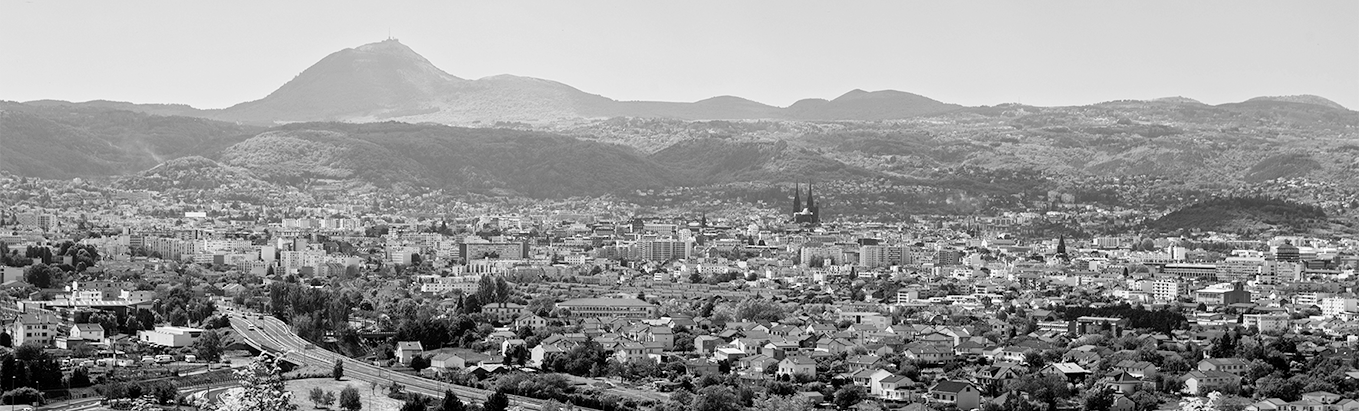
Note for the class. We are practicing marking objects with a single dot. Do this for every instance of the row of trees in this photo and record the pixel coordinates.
(88, 255)
(497, 401)
(313, 312)
(30, 366)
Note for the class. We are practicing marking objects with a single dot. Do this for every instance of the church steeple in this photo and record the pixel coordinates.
(809, 213)
(811, 201)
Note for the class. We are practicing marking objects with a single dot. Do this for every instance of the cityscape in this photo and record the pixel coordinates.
(378, 234)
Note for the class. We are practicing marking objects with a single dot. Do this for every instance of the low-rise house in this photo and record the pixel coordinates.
(503, 311)
(1312, 401)
(1013, 353)
(1072, 372)
(928, 354)
(87, 332)
(174, 337)
(893, 388)
(1125, 383)
(407, 350)
(961, 394)
(757, 364)
(1140, 369)
(461, 358)
(1235, 366)
(861, 362)
(663, 335)
(544, 352)
(728, 354)
(700, 367)
(530, 321)
(34, 328)
(938, 340)
(797, 365)
(864, 378)
(834, 345)
(629, 351)
(707, 343)
(1203, 382)
(998, 376)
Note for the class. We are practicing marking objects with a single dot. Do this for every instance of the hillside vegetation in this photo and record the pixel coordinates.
(59, 141)
(1243, 215)
(482, 160)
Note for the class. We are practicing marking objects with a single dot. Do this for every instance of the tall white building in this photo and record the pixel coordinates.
(664, 250)
(1339, 307)
(873, 256)
(1168, 289)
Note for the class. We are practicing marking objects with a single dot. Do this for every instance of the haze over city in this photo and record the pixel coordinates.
(679, 206)
(975, 53)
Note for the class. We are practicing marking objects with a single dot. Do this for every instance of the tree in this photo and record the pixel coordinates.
(451, 402)
(80, 377)
(788, 403)
(471, 304)
(497, 401)
(486, 289)
(847, 396)
(553, 405)
(502, 290)
(415, 402)
(349, 399)
(715, 398)
(1145, 401)
(22, 395)
(1014, 401)
(210, 346)
(317, 396)
(762, 310)
(1099, 399)
(419, 363)
(328, 399)
(1224, 346)
(41, 275)
(1201, 404)
(262, 389)
(1034, 359)
(338, 370)
(1046, 388)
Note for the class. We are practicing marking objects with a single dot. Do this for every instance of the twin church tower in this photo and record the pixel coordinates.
(811, 214)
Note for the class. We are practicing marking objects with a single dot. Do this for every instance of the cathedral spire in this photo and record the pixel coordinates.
(797, 198)
(811, 202)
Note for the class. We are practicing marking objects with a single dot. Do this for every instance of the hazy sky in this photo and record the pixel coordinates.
(215, 54)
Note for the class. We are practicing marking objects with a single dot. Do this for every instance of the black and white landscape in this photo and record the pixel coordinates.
(1170, 222)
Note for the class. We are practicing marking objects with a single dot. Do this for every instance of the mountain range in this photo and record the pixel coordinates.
(380, 115)
(389, 81)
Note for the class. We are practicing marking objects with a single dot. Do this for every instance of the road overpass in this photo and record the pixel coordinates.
(272, 335)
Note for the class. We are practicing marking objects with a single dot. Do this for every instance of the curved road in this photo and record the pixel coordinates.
(273, 334)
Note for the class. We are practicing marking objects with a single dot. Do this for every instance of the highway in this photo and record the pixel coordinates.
(271, 333)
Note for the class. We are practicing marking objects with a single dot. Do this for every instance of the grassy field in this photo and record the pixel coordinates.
(377, 402)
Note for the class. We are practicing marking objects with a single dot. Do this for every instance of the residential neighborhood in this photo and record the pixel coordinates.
(607, 311)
